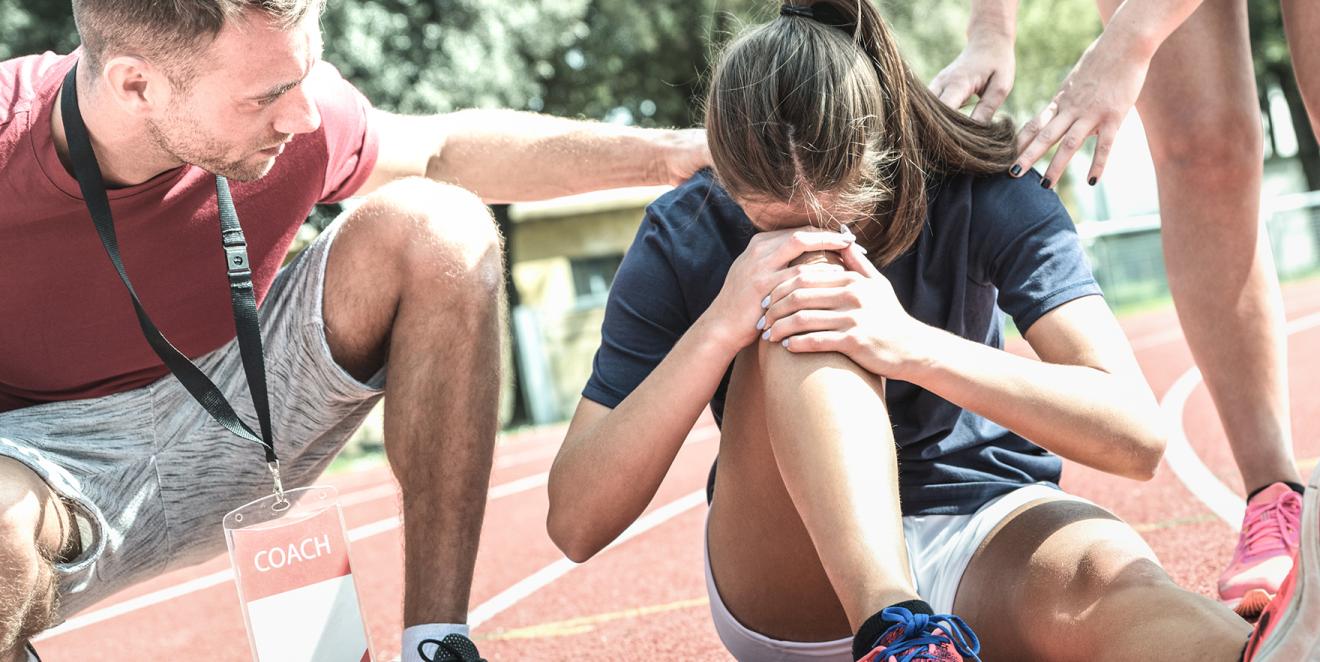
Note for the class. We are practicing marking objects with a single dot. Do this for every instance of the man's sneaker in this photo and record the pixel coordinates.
(941, 638)
(1270, 531)
(1287, 629)
(453, 648)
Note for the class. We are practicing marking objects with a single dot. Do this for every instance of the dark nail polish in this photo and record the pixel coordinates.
(1091, 181)
(1015, 170)
(1045, 182)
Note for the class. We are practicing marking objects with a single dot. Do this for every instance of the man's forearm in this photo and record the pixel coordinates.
(510, 156)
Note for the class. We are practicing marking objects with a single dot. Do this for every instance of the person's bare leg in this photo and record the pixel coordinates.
(415, 275)
(1063, 580)
(806, 540)
(34, 528)
(1203, 125)
(1301, 22)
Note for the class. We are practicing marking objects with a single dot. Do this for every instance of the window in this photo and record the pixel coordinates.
(592, 276)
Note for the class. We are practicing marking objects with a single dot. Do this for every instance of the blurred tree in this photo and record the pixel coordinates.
(423, 56)
(34, 26)
(642, 63)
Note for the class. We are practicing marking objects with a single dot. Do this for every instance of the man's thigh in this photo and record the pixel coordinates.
(316, 406)
(151, 476)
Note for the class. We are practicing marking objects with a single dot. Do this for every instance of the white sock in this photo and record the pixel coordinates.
(414, 635)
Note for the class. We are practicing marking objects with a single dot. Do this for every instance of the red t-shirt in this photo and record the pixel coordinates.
(67, 327)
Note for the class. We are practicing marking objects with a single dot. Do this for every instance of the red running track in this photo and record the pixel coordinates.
(646, 595)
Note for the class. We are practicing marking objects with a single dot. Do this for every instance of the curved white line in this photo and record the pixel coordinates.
(1186, 465)
(1182, 459)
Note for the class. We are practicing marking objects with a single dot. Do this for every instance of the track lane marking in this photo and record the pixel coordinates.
(552, 572)
(1187, 466)
(583, 624)
(227, 575)
(700, 434)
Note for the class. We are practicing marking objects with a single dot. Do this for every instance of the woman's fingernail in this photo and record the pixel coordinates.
(766, 335)
(1091, 181)
(760, 324)
(785, 343)
(765, 303)
(861, 248)
(1045, 182)
(1015, 170)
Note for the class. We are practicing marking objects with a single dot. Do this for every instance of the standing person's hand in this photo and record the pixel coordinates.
(853, 312)
(738, 309)
(1093, 100)
(984, 69)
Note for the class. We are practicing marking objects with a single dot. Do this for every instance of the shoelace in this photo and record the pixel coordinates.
(954, 630)
(459, 648)
(1273, 526)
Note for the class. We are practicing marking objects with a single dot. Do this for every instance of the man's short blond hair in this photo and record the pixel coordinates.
(169, 33)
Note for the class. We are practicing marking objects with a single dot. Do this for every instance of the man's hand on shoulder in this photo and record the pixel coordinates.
(686, 152)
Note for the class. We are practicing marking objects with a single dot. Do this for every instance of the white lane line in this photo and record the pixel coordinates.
(1186, 465)
(547, 575)
(389, 489)
(1182, 459)
(702, 434)
(202, 583)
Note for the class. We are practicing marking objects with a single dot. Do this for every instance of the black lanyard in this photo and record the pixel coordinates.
(240, 289)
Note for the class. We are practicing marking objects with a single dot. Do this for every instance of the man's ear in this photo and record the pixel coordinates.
(135, 85)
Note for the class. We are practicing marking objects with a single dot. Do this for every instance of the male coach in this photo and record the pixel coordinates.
(110, 471)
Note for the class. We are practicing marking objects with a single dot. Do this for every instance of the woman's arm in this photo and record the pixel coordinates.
(612, 461)
(1085, 400)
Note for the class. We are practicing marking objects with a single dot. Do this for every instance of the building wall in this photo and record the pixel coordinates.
(557, 327)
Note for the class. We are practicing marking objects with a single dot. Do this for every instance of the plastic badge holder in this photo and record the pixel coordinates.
(295, 579)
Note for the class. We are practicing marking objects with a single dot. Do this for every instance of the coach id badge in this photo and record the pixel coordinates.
(295, 581)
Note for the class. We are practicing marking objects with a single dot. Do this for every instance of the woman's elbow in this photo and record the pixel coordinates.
(568, 534)
(1148, 451)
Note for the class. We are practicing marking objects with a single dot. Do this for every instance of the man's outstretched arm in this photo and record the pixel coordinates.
(510, 156)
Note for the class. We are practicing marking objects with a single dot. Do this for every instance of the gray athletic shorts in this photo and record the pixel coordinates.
(149, 475)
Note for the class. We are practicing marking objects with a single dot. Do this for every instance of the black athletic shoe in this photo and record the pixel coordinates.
(453, 648)
(32, 653)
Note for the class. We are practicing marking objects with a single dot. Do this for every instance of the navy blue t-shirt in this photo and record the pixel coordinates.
(988, 240)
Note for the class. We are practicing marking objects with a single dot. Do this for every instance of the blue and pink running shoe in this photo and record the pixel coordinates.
(913, 637)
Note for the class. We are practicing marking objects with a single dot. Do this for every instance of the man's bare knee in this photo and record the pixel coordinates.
(438, 229)
(33, 530)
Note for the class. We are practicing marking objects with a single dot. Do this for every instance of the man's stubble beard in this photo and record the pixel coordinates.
(201, 154)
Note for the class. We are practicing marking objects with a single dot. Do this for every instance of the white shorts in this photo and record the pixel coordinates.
(939, 549)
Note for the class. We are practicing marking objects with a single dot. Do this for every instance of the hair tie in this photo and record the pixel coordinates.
(821, 12)
(797, 10)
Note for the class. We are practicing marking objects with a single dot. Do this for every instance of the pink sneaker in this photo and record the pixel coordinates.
(1271, 530)
(1289, 629)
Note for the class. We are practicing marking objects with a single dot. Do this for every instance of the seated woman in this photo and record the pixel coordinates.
(875, 474)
